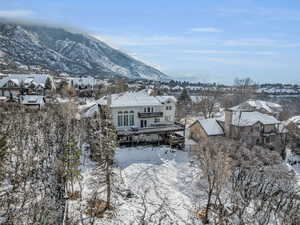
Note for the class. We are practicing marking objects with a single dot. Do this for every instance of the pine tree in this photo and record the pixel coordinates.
(3, 154)
(48, 84)
(184, 96)
(71, 161)
(103, 143)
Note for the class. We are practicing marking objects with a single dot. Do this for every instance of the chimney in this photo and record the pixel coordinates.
(228, 122)
(109, 100)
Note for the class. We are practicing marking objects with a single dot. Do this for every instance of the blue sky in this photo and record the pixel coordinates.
(203, 40)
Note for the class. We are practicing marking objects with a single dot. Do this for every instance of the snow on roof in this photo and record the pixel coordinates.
(26, 78)
(16, 81)
(242, 119)
(33, 100)
(258, 105)
(130, 99)
(164, 99)
(294, 119)
(89, 110)
(211, 127)
(133, 99)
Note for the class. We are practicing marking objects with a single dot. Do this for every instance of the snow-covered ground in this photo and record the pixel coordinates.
(149, 155)
(163, 183)
(293, 163)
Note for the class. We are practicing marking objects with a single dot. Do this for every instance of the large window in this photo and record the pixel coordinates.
(131, 118)
(120, 119)
(125, 118)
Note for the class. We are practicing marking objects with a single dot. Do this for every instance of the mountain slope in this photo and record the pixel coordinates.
(57, 50)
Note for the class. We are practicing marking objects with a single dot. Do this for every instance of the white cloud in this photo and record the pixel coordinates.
(143, 40)
(15, 13)
(225, 52)
(206, 29)
(121, 41)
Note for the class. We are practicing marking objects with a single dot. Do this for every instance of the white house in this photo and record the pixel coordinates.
(137, 114)
(139, 109)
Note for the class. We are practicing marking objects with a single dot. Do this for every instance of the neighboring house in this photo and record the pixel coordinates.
(202, 129)
(3, 99)
(82, 83)
(33, 101)
(250, 127)
(138, 116)
(269, 108)
(25, 84)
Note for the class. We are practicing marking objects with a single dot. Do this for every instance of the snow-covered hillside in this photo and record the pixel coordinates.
(27, 47)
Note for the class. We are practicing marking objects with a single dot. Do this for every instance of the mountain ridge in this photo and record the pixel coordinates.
(54, 49)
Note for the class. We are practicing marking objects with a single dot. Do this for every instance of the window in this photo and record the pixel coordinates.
(143, 123)
(120, 119)
(148, 109)
(145, 109)
(131, 118)
(156, 120)
(125, 118)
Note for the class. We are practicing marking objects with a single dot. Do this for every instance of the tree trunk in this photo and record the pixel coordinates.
(108, 182)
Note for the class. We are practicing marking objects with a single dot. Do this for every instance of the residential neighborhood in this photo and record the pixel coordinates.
(149, 112)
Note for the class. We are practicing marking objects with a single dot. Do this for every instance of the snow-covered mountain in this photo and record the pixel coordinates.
(28, 47)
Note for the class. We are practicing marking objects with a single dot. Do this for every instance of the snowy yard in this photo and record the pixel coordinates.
(293, 163)
(162, 182)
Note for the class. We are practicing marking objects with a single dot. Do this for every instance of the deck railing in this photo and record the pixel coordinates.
(150, 114)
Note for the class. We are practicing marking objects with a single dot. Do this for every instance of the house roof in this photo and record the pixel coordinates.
(88, 110)
(211, 127)
(258, 105)
(242, 119)
(133, 99)
(33, 100)
(82, 80)
(39, 79)
(295, 120)
(164, 99)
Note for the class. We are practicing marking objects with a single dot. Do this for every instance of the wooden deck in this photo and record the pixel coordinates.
(163, 129)
(167, 134)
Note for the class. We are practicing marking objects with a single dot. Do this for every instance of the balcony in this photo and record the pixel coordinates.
(153, 129)
(150, 114)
